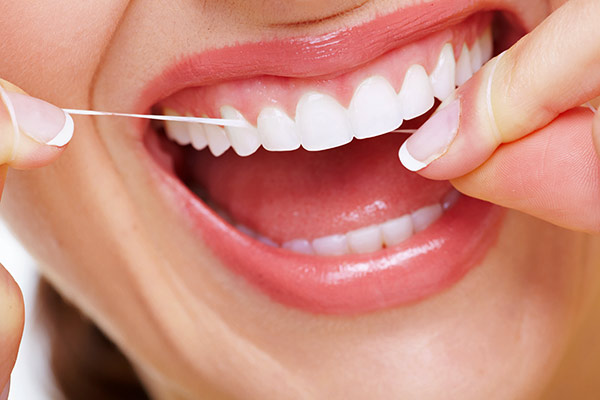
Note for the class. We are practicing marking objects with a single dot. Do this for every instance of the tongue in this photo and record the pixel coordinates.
(306, 195)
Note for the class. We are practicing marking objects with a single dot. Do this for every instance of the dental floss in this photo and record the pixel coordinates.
(13, 119)
(198, 120)
(208, 121)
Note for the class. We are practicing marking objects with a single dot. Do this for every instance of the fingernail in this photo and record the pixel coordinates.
(432, 140)
(41, 121)
(4, 395)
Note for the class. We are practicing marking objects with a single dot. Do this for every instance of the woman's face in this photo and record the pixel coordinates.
(478, 304)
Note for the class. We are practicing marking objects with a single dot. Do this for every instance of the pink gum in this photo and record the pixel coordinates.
(250, 96)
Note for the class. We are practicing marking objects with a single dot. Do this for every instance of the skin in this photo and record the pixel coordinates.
(520, 325)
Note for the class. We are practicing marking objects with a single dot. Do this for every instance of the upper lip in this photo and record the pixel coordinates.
(315, 56)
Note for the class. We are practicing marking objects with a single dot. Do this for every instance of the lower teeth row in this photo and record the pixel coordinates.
(364, 240)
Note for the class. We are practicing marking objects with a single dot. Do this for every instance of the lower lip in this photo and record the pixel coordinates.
(423, 266)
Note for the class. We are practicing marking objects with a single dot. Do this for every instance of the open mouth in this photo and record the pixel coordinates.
(308, 200)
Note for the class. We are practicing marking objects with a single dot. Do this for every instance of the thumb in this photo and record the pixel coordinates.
(551, 70)
(32, 131)
(11, 326)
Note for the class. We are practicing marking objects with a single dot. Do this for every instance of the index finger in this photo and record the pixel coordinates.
(551, 70)
(11, 324)
(32, 132)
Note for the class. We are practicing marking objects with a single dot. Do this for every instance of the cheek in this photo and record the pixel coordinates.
(46, 49)
(515, 312)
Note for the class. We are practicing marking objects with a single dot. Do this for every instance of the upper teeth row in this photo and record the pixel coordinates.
(322, 123)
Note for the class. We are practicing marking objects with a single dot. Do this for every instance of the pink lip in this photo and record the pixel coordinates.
(332, 53)
(426, 264)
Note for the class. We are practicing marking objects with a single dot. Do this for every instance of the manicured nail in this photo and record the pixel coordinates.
(432, 140)
(41, 121)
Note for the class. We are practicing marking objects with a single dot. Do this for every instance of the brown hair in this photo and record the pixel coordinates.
(84, 362)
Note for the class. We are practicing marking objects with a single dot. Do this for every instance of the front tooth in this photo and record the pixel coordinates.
(365, 240)
(397, 230)
(450, 199)
(464, 70)
(217, 139)
(443, 78)
(476, 56)
(322, 122)
(374, 109)
(487, 45)
(426, 216)
(178, 131)
(243, 140)
(335, 245)
(198, 136)
(265, 240)
(277, 131)
(302, 246)
(416, 95)
(246, 231)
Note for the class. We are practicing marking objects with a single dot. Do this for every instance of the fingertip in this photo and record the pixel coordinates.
(65, 135)
(12, 309)
(43, 122)
(30, 154)
(12, 317)
(32, 132)
(409, 162)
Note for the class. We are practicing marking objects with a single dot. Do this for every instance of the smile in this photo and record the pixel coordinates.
(308, 200)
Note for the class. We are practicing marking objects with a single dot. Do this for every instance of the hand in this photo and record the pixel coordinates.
(516, 134)
(39, 139)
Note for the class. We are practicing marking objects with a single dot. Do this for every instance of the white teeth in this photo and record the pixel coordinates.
(217, 140)
(249, 232)
(487, 45)
(425, 216)
(334, 245)
(416, 95)
(178, 131)
(443, 78)
(243, 140)
(266, 240)
(198, 136)
(450, 199)
(277, 131)
(397, 230)
(476, 56)
(374, 109)
(246, 231)
(464, 70)
(365, 240)
(322, 122)
(302, 246)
